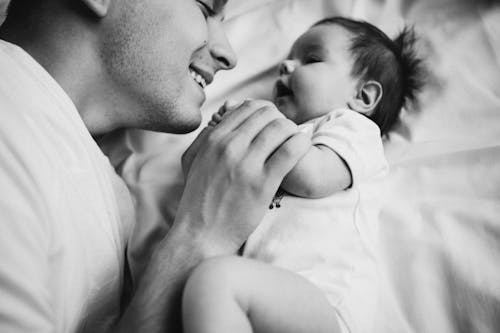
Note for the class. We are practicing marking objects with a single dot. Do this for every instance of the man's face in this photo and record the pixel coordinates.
(161, 54)
(316, 78)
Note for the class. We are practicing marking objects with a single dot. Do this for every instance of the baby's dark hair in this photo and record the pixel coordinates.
(392, 63)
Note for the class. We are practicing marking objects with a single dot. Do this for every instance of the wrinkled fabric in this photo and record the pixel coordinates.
(331, 241)
(63, 234)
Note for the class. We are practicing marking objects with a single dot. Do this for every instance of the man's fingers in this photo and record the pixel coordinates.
(272, 136)
(229, 105)
(192, 151)
(282, 161)
(232, 120)
(255, 123)
(237, 128)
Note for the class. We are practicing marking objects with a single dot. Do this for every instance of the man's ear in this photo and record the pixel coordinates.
(367, 98)
(98, 7)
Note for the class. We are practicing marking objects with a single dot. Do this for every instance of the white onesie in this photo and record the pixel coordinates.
(331, 241)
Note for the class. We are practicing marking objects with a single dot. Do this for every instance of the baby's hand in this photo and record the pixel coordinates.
(227, 106)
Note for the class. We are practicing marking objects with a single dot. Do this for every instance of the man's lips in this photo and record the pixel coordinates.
(201, 76)
(282, 90)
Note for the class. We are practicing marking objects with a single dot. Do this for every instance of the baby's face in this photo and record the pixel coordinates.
(316, 77)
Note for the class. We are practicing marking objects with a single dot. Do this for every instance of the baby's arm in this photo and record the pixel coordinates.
(320, 173)
(234, 294)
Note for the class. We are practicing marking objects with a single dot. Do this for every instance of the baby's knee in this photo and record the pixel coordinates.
(211, 299)
(211, 280)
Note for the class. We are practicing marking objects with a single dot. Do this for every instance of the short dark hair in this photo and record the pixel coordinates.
(392, 63)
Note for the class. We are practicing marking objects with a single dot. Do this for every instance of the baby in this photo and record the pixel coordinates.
(344, 81)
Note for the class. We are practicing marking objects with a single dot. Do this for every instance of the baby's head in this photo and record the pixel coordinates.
(339, 63)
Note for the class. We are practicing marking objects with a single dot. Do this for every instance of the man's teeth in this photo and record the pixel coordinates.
(198, 78)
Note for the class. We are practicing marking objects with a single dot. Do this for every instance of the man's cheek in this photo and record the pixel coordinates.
(194, 31)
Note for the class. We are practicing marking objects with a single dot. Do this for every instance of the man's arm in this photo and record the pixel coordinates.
(232, 171)
(156, 304)
(320, 173)
(25, 198)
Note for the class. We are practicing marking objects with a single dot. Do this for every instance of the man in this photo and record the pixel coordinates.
(73, 69)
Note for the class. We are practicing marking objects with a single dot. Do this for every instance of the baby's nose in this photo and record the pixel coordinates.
(286, 67)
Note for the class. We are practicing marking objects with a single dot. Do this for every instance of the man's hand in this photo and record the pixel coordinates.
(233, 170)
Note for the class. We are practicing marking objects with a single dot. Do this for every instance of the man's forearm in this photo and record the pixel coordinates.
(156, 304)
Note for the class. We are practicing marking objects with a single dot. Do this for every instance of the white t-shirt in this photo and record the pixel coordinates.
(62, 239)
(331, 241)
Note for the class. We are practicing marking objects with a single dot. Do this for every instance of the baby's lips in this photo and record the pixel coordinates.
(281, 89)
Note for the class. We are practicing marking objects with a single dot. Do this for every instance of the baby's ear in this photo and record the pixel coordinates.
(98, 7)
(367, 98)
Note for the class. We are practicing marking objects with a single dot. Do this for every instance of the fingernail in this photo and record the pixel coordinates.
(232, 104)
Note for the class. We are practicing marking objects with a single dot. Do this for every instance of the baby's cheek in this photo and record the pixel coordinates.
(310, 103)
(307, 89)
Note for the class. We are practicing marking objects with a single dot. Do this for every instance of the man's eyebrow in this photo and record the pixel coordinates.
(219, 6)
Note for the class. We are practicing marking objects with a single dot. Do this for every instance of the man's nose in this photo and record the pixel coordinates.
(220, 49)
(286, 67)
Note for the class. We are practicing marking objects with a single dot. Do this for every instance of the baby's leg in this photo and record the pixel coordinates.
(233, 294)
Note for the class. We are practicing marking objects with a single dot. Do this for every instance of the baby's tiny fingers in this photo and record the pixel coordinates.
(216, 117)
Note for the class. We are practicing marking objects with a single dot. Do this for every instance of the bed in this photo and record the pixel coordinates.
(440, 224)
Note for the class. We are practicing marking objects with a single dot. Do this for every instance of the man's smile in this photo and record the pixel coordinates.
(202, 77)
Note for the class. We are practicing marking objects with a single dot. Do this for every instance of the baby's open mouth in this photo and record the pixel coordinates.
(282, 90)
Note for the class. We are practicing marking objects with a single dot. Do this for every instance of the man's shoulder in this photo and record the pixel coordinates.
(21, 90)
(35, 118)
(21, 107)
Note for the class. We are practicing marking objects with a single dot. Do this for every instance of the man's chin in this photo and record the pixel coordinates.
(182, 128)
(174, 126)
(188, 128)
